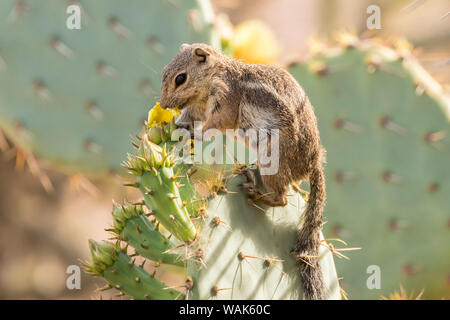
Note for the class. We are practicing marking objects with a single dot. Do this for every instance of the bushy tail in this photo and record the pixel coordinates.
(306, 250)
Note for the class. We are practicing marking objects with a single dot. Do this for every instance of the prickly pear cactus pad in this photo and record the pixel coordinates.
(385, 124)
(197, 216)
(74, 97)
(244, 251)
(112, 262)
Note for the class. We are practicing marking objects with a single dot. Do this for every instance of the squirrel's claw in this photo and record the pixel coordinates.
(250, 188)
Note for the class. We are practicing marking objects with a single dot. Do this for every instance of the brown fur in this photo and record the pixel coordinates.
(229, 94)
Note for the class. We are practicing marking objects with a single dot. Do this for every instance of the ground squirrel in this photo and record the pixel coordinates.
(226, 93)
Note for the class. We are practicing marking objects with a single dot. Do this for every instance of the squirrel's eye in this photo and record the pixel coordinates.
(180, 79)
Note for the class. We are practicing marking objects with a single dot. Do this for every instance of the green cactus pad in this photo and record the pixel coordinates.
(156, 179)
(74, 97)
(165, 200)
(131, 224)
(119, 270)
(245, 251)
(385, 124)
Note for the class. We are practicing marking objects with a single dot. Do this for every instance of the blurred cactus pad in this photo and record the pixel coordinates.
(385, 124)
(196, 217)
(74, 97)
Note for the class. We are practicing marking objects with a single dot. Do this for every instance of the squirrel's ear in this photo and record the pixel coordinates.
(201, 54)
(184, 46)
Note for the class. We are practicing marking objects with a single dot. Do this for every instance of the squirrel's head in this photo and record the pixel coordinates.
(187, 78)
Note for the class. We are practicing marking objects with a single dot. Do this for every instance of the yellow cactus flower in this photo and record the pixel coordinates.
(157, 116)
(254, 42)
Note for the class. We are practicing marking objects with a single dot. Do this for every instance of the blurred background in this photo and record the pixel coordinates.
(44, 227)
